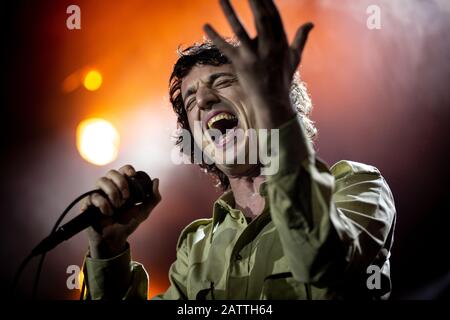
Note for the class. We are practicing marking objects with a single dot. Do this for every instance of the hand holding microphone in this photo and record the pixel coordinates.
(111, 213)
(119, 215)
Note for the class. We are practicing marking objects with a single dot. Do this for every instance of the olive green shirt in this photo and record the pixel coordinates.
(320, 230)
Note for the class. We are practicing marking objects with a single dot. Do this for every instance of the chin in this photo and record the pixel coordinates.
(239, 170)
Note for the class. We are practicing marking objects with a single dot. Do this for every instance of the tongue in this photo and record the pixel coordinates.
(224, 124)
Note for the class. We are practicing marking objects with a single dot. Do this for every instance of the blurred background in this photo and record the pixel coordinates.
(77, 103)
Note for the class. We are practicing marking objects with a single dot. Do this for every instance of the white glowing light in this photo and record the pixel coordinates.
(97, 141)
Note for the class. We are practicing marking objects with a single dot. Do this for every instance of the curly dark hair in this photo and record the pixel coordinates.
(206, 53)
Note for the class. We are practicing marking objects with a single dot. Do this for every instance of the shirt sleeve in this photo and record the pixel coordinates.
(177, 276)
(331, 222)
(117, 278)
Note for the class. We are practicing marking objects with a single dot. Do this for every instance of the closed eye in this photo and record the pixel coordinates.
(190, 104)
(223, 83)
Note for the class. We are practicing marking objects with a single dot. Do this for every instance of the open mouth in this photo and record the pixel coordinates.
(226, 123)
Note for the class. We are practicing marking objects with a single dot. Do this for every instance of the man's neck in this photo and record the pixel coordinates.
(246, 194)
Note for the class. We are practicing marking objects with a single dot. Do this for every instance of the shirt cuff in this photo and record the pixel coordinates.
(108, 278)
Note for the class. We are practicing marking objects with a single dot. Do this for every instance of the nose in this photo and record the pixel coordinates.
(206, 97)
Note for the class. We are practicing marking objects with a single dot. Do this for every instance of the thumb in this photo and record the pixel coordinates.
(298, 44)
(156, 193)
(145, 208)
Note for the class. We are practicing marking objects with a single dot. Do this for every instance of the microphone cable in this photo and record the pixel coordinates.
(43, 255)
(141, 189)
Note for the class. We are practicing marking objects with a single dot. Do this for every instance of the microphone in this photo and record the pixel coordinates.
(141, 190)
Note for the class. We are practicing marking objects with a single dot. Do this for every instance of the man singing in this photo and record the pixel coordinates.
(303, 231)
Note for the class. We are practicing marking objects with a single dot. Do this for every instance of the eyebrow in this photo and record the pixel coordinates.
(210, 80)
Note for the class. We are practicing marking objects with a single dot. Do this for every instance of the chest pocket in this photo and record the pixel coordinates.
(281, 285)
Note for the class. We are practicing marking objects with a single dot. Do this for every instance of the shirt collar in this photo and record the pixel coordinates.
(225, 205)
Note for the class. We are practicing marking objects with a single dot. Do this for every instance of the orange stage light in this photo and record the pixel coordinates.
(93, 80)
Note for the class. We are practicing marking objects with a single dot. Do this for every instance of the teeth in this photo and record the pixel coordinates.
(218, 117)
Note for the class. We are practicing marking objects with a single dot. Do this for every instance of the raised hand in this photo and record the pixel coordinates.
(265, 64)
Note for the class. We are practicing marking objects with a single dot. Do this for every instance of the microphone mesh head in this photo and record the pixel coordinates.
(141, 187)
